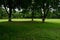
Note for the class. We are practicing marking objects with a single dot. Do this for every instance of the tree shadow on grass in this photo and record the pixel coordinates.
(27, 30)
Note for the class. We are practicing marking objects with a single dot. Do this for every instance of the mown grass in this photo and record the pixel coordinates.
(28, 30)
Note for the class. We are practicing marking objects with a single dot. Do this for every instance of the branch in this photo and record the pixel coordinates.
(46, 12)
(5, 7)
(6, 10)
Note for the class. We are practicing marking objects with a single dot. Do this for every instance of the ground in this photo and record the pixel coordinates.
(28, 30)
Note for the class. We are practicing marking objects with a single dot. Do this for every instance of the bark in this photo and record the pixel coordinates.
(43, 18)
(10, 10)
(45, 15)
(5, 7)
(32, 15)
(6, 10)
(10, 13)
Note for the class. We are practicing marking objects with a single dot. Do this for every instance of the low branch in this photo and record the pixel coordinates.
(46, 12)
(6, 10)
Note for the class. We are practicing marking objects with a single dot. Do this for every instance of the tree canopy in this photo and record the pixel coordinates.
(42, 5)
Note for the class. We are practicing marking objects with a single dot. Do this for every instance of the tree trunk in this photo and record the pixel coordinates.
(10, 13)
(43, 17)
(32, 15)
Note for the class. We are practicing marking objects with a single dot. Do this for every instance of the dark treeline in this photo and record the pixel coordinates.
(29, 9)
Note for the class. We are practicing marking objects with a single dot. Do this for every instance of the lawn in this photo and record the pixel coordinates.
(21, 29)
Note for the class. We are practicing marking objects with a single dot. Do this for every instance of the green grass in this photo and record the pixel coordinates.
(27, 30)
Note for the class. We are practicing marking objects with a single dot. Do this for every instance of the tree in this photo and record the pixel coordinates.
(43, 5)
(26, 5)
(11, 4)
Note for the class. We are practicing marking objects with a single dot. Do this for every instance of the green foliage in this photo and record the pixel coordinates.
(34, 7)
(3, 13)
